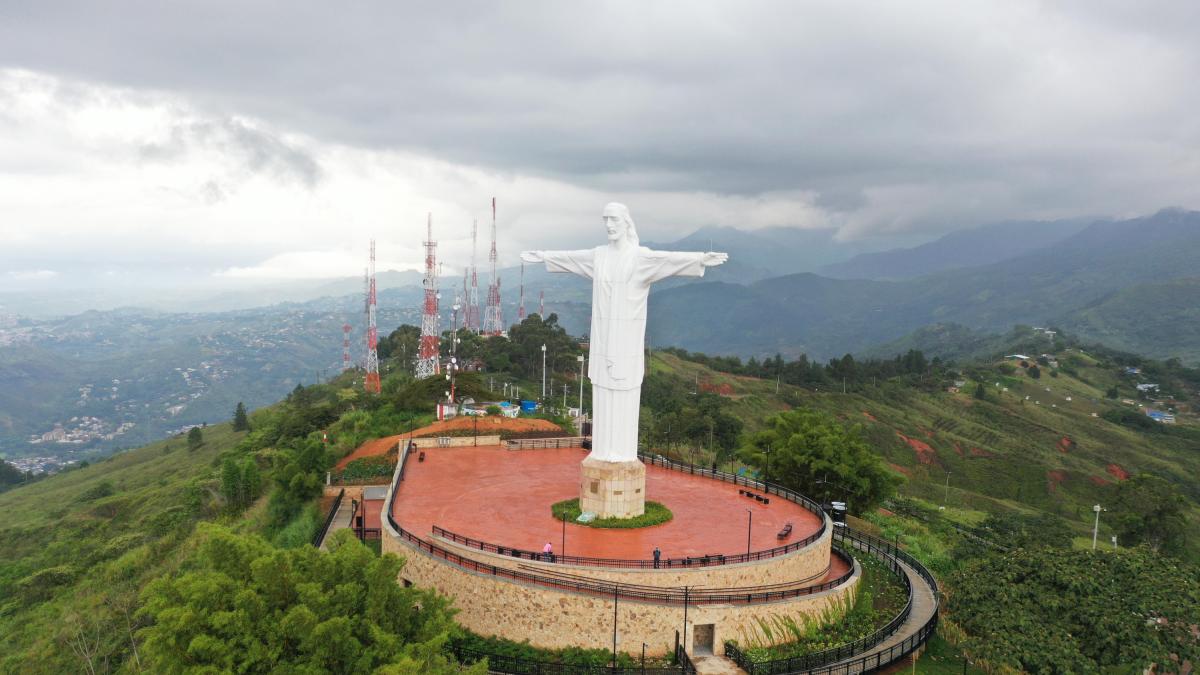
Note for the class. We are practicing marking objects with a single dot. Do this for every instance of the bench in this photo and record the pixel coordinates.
(785, 532)
(421, 457)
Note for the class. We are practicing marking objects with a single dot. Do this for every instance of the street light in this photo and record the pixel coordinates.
(1096, 527)
(580, 360)
(543, 372)
(749, 523)
(946, 498)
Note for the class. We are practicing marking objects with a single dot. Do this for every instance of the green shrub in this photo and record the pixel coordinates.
(656, 514)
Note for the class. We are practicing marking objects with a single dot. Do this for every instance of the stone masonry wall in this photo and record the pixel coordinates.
(554, 619)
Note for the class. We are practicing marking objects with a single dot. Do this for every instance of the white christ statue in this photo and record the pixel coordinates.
(621, 274)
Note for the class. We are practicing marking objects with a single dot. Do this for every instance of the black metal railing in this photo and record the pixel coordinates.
(668, 596)
(841, 659)
(544, 443)
(337, 503)
(725, 477)
(685, 661)
(708, 560)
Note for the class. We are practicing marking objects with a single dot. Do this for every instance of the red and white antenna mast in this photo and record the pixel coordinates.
(345, 347)
(427, 356)
(493, 322)
(371, 381)
(472, 321)
(521, 304)
(542, 304)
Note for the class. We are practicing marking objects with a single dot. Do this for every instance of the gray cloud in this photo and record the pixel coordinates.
(915, 116)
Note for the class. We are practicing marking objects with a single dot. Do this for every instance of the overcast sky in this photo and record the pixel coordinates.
(190, 140)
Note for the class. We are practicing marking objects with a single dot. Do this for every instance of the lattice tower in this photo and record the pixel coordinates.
(493, 320)
(472, 321)
(345, 347)
(542, 304)
(371, 381)
(427, 356)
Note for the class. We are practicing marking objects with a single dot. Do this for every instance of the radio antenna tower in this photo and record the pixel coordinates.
(345, 347)
(471, 321)
(371, 381)
(427, 357)
(542, 304)
(493, 322)
(521, 304)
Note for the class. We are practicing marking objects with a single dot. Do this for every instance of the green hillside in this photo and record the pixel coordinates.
(1004, 452)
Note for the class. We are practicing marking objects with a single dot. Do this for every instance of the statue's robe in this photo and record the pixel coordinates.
(621, 282)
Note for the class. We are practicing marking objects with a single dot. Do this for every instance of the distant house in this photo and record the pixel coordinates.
(1160, 416)
(1019, 357)
(1147, 387)
(1131, 370)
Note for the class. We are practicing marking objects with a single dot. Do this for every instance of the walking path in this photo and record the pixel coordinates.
(341, 521)
(716, 665)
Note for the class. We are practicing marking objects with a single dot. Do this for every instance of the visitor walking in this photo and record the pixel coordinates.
(657, 555)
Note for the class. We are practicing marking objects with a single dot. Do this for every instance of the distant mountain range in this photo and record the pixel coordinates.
(1111, 280)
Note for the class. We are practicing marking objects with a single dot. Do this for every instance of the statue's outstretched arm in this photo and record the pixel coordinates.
(580, 262)
(658, 265)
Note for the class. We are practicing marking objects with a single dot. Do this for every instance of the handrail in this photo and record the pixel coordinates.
(707, 560)
(337, 503)
(750, 595)
(822, 662)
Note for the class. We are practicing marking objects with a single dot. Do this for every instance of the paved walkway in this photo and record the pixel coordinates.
(923, 608)
(340, 522)
(716, 665)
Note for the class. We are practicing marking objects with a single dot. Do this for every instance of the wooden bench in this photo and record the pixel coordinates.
(785, 532)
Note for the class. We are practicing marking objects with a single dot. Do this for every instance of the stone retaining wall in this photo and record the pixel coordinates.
(554, 619)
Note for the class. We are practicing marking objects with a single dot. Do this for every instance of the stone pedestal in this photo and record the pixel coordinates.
(613, 489)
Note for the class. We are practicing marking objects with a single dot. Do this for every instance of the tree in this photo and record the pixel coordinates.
(251, 484)
(240, 422)
(231, 483)
(244, 606)
(195, 438)
(1112, 392)
(1060, 610)
(813, 453)
(980, 391)
(1150, 510)
(1034, 372)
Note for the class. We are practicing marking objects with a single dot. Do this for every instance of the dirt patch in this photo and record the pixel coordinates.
(980, 452)
(869, 416)
(1117, 471)
(1054, 479)
(958, 449)
(884, 512)
(722, 389)
(1065, 444)
(487, 426)
(925, 453)
(1099, 480)
(902, 469)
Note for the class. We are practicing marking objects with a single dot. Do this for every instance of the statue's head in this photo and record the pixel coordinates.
(619, 223)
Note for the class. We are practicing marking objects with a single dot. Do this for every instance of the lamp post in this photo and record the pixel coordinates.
(946, 497)
(1096, 526)
(543, 372)
(580, 360)
(749, 523)
(614, 661)
(643, 658)
(563, 548)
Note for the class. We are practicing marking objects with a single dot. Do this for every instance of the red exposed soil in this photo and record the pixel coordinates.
(902, 469)
(925, 453)
(1065, 444)
(980, 452)
(486, 426)
(1117, 471)
(869, 416)
(1054, 479)
(884, 512)
(1099, 480)
(724, 389)
(958, 449)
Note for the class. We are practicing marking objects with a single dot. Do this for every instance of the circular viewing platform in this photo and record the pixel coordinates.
(503, 498)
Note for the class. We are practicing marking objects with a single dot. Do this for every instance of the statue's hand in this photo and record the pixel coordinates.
(532, 256)
(712, 259)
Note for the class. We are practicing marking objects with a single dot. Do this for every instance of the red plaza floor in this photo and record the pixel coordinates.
(504, 497)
